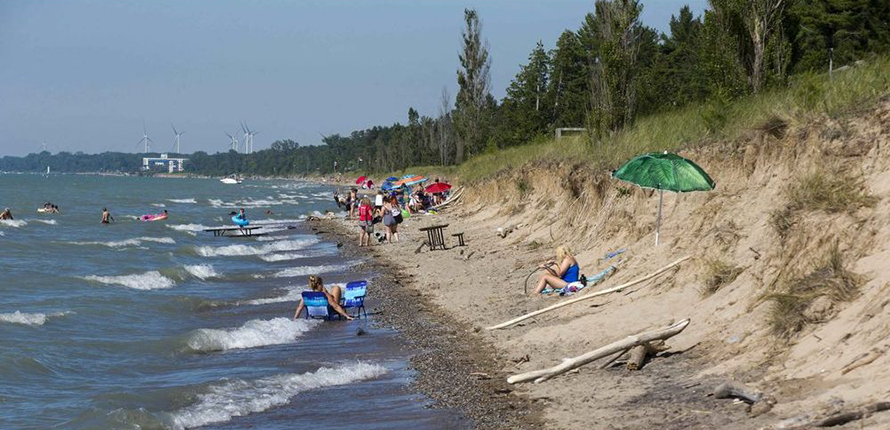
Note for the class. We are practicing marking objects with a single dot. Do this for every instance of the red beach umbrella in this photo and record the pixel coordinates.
(361, 179)
(438, 187)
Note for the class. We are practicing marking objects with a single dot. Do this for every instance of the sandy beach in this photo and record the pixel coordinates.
(831, 364)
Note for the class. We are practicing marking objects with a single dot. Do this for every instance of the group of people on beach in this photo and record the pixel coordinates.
(389, 208)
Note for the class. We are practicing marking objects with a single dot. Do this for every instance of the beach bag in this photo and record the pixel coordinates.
(388, 220)
(397, 216)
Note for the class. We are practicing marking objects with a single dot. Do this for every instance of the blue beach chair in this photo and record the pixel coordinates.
(354, 297)
(316, 304)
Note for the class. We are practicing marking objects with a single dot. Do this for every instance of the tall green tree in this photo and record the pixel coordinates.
(615, 69)
(472, 108)
(523, 113)
(846, 30)
(569, 79)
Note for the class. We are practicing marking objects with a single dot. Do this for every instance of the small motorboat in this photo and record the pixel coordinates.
(231, 180)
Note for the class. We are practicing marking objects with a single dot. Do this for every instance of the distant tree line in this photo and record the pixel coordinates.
(602, 76)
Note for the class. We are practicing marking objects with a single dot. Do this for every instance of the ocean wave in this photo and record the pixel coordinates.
(19, 317)
(159, 205)
(238, 397)
(201, 271)
(252, 334)
(137, 241)
(240, 250)
(309, 270)
(182, 200)
(13, 222)
(152, 280)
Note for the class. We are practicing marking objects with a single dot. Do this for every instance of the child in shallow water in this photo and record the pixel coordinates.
(316, 284)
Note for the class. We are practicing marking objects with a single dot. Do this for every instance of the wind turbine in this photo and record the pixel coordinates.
(246, 137)
(176, 147)
(252, 134)
(145, 139)
(234, 142)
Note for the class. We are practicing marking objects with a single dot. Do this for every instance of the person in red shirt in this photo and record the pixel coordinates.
(365, 222)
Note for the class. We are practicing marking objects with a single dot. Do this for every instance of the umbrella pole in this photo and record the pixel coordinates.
(658, 220)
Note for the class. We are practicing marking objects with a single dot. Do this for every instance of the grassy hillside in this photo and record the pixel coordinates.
(806, 99)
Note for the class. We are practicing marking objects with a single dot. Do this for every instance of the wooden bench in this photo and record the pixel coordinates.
(460, 239)
(247, 231)
(435, 236)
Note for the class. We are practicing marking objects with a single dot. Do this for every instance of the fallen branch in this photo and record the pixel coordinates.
(612, 360)
(589, 296)
(845, 417)
(612, 348)
(862, 360)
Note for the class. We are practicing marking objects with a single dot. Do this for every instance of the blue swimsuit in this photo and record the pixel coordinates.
(571, 274)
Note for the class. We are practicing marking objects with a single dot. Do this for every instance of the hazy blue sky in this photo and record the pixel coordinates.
(82, 75)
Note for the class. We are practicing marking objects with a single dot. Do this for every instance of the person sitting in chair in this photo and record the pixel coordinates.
(560, 272)
(316, 284)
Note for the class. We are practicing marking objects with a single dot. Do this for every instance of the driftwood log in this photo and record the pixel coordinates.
(639, 353)
(612, 348)
(588, 296)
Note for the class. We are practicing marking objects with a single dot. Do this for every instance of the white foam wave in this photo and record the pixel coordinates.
(239, 397)
(291, 294)
(202, 271)
(283, 257)
(137, 241)
(159, 205)
(252, 334)
(239, 250)
(182, 200)
(19, 317)
(45, 221)
(152, 280)
(309, 270)
(251, 204)
(13, 222)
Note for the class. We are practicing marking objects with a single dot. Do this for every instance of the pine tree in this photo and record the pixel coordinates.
(615, 69)
(567, 95)
(472, 107)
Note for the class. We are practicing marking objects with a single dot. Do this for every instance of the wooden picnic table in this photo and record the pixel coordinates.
(435, 236)
(247, 231)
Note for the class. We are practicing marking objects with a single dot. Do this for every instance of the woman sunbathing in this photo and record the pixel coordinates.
(560, 272)
(316, 284)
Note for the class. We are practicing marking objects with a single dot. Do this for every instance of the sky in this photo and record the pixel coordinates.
(83, 75)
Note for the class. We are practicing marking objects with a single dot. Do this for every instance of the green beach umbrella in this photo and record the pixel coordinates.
(664, 171)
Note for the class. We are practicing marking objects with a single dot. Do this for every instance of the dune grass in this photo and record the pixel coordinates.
(808, 97)
(717, 274)
(792, 305)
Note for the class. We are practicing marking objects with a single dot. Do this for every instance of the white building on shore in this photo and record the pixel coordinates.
(164, 162)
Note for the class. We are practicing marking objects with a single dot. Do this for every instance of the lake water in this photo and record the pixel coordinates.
(160, 325)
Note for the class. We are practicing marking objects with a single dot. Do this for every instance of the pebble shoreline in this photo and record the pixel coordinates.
(455, 368)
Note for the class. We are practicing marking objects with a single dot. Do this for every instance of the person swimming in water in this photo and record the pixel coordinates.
(6, 214)
(106, 216)
(316, 284)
